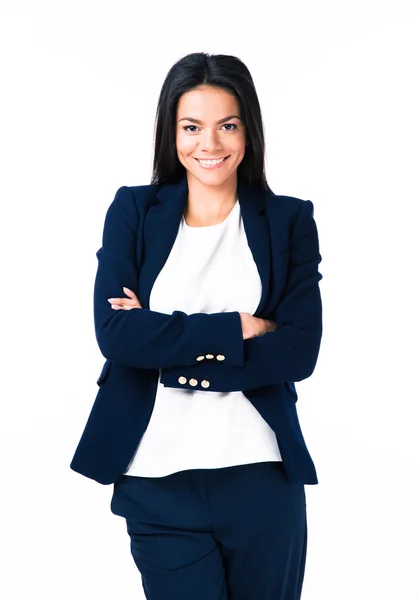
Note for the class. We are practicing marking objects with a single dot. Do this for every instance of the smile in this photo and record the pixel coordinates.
(212, 163)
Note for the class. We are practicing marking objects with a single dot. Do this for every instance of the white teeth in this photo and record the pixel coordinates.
(211, 162)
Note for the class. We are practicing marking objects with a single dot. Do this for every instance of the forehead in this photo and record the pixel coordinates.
(207, 103)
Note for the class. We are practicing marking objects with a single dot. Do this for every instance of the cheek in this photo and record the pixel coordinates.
(240, 152)
(184, 144)
(239, 146)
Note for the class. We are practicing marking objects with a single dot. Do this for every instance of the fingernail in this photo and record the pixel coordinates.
(111, 300)
(125, 288)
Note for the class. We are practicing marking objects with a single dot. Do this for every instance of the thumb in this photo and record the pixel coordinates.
(132, 295)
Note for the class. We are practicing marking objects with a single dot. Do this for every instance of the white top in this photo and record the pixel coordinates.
(209, 269)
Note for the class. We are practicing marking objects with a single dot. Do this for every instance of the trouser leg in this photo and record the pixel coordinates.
(259, 521)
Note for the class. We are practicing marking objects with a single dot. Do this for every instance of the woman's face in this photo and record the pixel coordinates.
(208, 126)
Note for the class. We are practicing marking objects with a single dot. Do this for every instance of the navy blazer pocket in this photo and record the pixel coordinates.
(104, 372)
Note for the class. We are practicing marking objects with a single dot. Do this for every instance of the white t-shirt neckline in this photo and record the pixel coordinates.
(191, 227)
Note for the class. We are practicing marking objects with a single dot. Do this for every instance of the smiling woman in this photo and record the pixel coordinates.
(196, 409)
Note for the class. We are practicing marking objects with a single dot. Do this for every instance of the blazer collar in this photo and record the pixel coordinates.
(176, 195)
(163, 221)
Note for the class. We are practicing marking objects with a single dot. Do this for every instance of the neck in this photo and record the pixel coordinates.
(209, 204)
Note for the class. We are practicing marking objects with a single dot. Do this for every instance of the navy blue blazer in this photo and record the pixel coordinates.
(140, 228)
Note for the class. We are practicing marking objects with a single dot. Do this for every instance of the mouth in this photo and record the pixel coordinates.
(213, 163)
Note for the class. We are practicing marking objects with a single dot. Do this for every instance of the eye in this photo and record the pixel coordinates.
(233, 125)
(230, 125)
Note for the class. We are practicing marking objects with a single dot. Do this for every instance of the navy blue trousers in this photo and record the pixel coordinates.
(235, 533)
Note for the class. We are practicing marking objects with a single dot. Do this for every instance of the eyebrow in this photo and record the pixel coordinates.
(200, 122)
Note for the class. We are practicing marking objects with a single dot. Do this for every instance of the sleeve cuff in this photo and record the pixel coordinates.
(223, 338)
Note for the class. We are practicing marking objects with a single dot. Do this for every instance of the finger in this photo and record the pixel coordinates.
(122, 302)
(129, 293)
(132, 295)
(129, 304)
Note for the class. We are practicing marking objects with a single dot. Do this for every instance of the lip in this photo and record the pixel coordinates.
(216, 166)
(213, 158)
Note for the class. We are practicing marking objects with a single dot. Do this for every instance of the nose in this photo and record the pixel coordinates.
(210, 142)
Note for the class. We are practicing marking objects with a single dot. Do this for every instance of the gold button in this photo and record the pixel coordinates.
(200, 357)
(209, 356)
(193, 382)
(220, 357)
(205, 383)
(182, 380)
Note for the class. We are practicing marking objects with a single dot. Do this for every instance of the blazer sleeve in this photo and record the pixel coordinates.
(290, 352)
(141, 337)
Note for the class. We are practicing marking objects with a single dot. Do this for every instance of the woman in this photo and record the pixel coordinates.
(195, 420)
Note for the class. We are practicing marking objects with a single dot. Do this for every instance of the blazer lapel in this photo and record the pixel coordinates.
(256, 226)
(162, 224)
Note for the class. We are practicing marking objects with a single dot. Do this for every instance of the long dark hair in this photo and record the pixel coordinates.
(221, 71)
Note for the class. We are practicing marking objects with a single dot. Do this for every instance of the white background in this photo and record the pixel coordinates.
(337, 82)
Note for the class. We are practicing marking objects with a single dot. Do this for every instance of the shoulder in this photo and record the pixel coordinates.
(132, 199)
(135, 194)
(142, 193)
(292, 206)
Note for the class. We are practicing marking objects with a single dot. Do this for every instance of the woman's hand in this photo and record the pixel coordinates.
(125, 303)
(255, 326)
